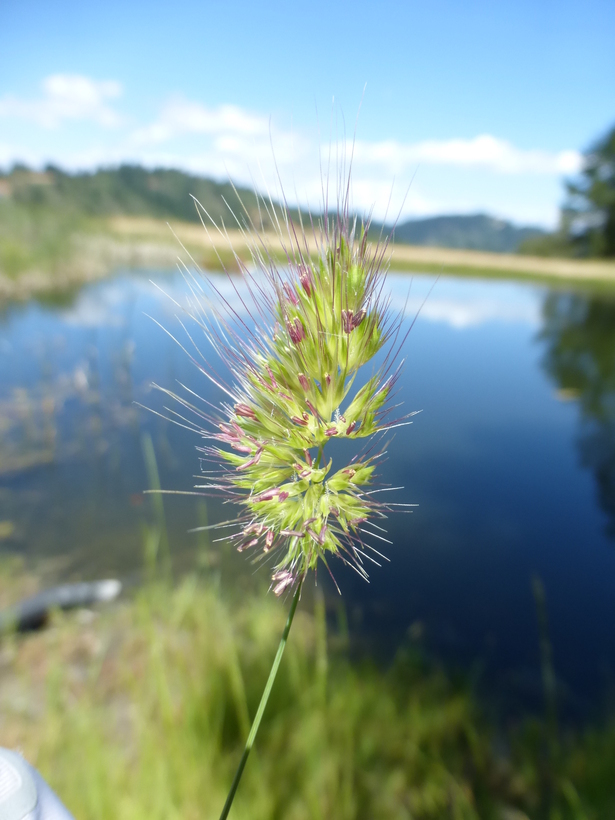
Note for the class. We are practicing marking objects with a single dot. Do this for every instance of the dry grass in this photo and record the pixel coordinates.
(413, 257)
(141, 242)
(405, 257)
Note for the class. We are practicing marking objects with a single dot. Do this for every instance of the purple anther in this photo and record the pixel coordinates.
(303, 381)
(251, 543)
(332, 431)
(327, 379)
(291, 293)
(300, 422)
(296, 331)
(244, 410)
(252, 461)
(305, 277)
(268, 540)
(308, 457)
(257, 529)
(272, 377)
(347, 318)
(241, 448)
(292, 533)
(282, 495)
(282, 579)
(351, 427)
(266, 495)
(356, 321)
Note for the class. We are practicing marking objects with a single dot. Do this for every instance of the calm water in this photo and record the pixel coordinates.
(512, 464)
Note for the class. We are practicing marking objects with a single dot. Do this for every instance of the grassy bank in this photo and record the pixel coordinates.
(43, 251)
(502, 265)
(140, 711)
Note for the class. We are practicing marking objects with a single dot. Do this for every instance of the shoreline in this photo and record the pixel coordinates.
(135, 242)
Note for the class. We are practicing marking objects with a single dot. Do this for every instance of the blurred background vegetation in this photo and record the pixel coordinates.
(587, 223)
(45, 215)
(141, 711)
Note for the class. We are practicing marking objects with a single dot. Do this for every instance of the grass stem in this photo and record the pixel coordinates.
(262, 705)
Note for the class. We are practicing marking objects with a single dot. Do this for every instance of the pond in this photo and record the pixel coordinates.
(511, 463)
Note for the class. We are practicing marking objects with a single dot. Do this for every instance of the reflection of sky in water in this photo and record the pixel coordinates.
(458, 303)
(463, 304)
(491, 461)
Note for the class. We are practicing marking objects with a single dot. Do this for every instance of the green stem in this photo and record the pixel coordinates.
(262, 705)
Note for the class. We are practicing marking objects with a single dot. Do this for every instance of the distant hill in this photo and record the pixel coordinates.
(166, 194)
(476, 232)
(128, 190)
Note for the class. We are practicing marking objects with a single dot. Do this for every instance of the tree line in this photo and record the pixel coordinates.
(587, 219)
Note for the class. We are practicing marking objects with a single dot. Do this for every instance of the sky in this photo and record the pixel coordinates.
(446, 106)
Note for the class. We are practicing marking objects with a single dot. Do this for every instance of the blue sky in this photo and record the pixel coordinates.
(481, 106)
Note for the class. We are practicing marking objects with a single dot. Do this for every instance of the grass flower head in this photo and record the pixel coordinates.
(309, 322)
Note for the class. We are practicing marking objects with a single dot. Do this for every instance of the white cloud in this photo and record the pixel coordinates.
(483, 173)
(181, 116)
(484, 151)
(66, 97)
(234, 143)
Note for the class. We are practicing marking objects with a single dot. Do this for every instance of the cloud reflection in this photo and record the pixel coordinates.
(465, 305)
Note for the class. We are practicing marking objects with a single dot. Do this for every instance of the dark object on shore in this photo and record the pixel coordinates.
(33, 613)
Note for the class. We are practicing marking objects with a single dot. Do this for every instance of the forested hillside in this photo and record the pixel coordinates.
(167, 194)
(128, 190)
(475, 232)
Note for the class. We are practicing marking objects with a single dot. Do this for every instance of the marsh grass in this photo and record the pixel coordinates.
(142, 714)
(36, 238)
(141, 711)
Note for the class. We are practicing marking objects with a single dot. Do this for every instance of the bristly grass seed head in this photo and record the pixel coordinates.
(313, 323)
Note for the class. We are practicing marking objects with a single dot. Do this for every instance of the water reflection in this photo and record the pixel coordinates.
(579, 334)
(491, 462)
